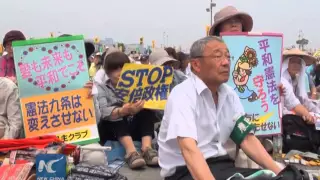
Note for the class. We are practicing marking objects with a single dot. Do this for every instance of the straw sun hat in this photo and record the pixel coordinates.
(228, 13)
(296, 52)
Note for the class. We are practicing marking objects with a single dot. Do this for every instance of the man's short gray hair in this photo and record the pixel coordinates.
(197, 48)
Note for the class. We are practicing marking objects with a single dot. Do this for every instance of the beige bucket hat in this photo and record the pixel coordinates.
(228, 13)
(297, 52)
(160, 57)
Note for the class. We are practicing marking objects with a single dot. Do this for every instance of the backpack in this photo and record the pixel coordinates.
(290, 172)
(297, 135)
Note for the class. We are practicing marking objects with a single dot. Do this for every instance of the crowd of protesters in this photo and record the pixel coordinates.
(198, 118)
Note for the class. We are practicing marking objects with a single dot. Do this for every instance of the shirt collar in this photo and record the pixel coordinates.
(201, 86)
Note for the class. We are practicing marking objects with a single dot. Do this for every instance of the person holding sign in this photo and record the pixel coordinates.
(161, 58)
(126, 122)
(201, 114)
(229, 19)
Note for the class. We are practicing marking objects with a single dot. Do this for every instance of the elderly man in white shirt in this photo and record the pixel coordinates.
(200, 116)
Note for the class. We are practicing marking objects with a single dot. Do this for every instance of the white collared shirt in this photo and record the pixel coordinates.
(291, 98)
(101, 78)
(188, 70)
(191, 112)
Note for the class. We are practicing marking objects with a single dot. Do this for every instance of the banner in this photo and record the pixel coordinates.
(145, 82)
(255, 75)
(51, 74)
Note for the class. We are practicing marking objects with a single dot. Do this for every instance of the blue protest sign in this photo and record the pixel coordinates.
(51, 166)
(255, 76)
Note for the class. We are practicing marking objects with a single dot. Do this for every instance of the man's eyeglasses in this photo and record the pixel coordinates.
(217, 57)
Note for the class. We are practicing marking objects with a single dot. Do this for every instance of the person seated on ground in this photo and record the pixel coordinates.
(125, 122)
(144, 59)
(311, 87)
(95, 64)
(89, 48)
(199, 118)
(10, 112)
(7, 68)
(92, 67)
(230, 19)
(161, 58)
(171, 52)
(317, 77)
(296, 99)
(100, 75)
(183, 58)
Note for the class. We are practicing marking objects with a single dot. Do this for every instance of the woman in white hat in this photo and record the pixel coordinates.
(293, 78)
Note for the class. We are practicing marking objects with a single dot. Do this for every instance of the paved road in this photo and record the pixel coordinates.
(143, 174)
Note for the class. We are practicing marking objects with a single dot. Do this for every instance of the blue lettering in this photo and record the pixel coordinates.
(159, 75)
(167, 72)
(140, 74)
(127, 79)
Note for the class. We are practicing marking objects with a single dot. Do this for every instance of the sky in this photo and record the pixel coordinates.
(182, 21)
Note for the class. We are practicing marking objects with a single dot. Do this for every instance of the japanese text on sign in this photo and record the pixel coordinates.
(255, 77)
(75, 136)
(145, 82)
(269, 72)
(262, 125)
(46, 114)
(57, 64)
(50, 65)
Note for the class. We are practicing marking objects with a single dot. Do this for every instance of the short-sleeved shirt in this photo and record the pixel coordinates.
(191, 112)
(292, 99)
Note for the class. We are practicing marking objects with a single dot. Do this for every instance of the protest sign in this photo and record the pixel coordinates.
(67, 114)
(50, 65)
(255, 75)
(145, 82)
(51, 74)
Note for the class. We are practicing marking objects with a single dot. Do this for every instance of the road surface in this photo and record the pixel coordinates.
(143, 174)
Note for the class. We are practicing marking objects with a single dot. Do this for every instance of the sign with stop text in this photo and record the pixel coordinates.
(145, 82)
(255, 76)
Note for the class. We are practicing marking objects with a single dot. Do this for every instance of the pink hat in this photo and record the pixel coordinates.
(228, 13)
